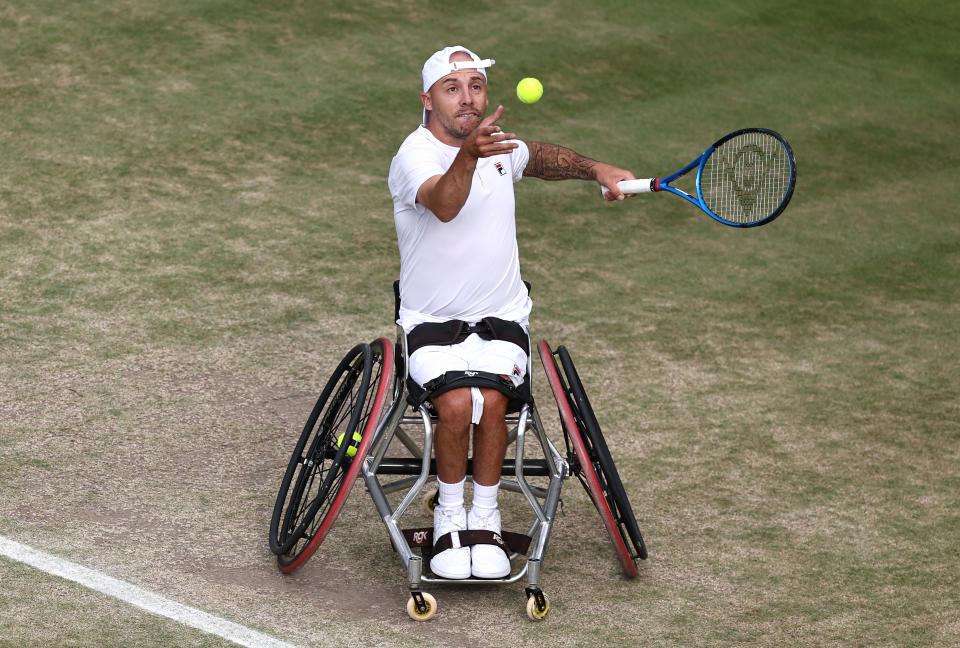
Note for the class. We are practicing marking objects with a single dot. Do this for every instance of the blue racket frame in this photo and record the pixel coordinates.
(663, 184)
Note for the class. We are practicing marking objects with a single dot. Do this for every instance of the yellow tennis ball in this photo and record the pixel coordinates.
(352, 450)
(529, 90)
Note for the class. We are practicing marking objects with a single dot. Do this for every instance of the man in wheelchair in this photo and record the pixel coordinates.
(463, 304)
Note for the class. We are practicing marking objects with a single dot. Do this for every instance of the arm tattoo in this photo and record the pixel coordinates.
(552, 162)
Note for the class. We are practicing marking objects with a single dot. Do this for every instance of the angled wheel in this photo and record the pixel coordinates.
(597, 449)
(328, 456)
(590, 458)
(430, 499)
(430, 603)
(537, 607)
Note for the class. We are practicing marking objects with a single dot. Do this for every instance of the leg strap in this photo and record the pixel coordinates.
(509, 542)
(417, 395)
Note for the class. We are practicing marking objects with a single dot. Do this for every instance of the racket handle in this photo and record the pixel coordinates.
(641, 185)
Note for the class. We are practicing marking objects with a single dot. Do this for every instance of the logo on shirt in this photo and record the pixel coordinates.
(500, 168)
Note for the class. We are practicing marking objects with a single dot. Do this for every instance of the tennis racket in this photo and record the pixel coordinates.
(745, 179)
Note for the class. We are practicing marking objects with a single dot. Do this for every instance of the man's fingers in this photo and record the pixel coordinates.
(608, 176)
(610, 195)
(493, 118)
(489, 139)
(496, 149)
(497, 142)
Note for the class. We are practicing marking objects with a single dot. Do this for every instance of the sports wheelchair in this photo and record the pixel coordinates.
(370, 421)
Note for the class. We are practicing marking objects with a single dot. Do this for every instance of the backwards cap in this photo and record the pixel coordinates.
(439, 66)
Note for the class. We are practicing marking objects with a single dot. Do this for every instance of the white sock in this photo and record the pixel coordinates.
(451, 495)
(485, 497)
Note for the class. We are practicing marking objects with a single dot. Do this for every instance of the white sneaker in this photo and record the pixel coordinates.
(487, 561)
(453, 563)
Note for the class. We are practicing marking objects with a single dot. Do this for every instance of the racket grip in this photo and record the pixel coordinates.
(641, 185)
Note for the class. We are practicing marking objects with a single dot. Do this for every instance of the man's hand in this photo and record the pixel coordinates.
(446, 194)
(608, 176)
(488, 139)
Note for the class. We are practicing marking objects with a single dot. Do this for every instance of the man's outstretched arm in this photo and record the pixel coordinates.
(555, 162)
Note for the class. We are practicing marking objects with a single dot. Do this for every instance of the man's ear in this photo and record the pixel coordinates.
(427, 103)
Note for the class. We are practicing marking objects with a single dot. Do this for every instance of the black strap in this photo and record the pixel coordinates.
(417, 395)
(396, 300)
(508, 541)
(456, 331)
(435, 334)
(454, 379)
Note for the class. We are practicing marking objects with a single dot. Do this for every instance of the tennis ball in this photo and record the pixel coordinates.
(529, 90)
(352, 450)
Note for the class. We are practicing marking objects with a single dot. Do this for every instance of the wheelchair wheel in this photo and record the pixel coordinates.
(534, 613)
(428, 614)
(327, 458)
(607, 473)
(590, 458)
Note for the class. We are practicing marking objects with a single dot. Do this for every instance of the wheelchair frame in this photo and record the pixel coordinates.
(356, 403)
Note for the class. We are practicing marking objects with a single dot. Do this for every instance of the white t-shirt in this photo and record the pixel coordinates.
(469, 267)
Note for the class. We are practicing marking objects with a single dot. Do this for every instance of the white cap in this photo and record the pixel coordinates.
(439, 66)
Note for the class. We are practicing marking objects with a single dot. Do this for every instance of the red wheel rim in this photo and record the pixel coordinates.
(586, 465)
(386, 382)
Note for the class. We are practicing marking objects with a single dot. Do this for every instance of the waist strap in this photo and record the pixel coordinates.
(456, 331)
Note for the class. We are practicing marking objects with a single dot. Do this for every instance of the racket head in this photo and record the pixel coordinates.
(746, 178)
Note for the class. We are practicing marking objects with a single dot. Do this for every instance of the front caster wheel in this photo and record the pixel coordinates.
(430, 499)
(537, 606)
(422, 615)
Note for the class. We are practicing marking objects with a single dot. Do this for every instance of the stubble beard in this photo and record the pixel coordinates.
(459, 129)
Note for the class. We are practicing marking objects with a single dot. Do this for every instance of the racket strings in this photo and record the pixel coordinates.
(747, 178)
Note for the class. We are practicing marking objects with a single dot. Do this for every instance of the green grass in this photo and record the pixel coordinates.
(36, 610)
(195, 226)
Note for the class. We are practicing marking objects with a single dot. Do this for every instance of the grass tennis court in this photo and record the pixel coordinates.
(195, 226)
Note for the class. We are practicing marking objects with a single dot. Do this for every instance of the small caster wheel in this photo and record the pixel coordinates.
(430, 499)
(429, 602)
(537, 606)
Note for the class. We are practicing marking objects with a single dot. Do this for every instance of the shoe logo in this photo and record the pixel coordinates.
(419, 538)
(498, 540)
(470, 374)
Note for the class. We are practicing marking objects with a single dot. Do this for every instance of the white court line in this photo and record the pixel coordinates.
(138, 596)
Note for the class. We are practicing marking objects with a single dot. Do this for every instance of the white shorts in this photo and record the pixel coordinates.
(474, 353)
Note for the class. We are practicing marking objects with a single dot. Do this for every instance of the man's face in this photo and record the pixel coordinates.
(457, 102)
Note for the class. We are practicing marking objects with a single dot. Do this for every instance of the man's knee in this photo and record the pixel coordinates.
(454, 407)
(494, 402)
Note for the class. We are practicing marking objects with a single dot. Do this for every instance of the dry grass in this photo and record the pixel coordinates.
(194, 227)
